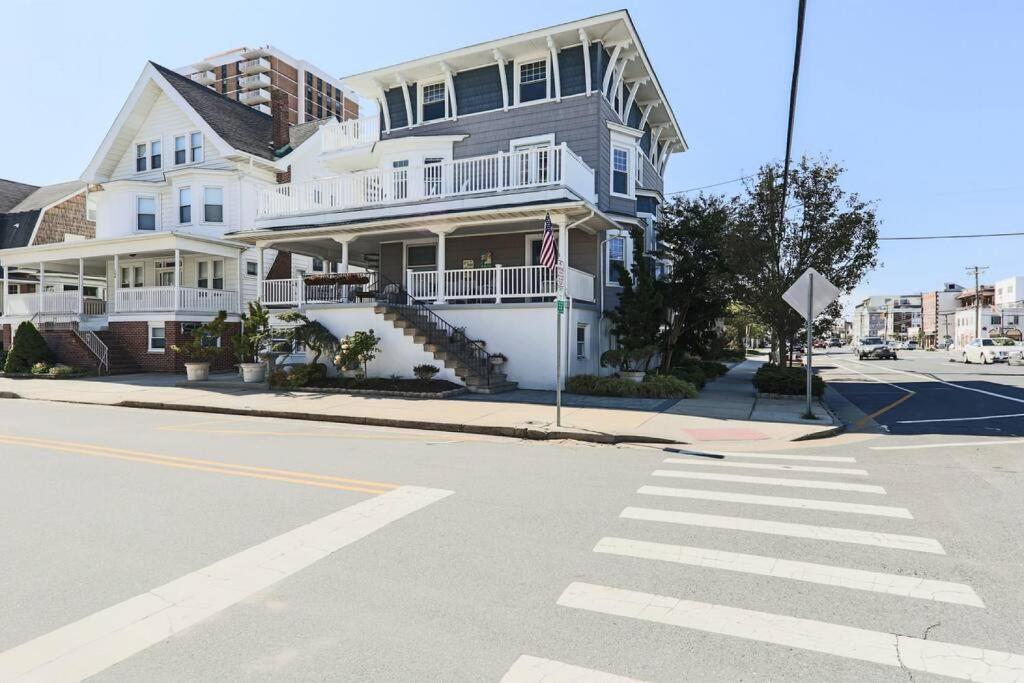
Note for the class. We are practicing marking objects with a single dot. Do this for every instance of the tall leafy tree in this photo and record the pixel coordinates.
(693, 233)
(637, 318)
(824, 227)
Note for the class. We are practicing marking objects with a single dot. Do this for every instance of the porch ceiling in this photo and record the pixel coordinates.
(68, 253)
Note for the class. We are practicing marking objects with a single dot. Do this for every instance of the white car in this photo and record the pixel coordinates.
(873, 347)
(986, 351)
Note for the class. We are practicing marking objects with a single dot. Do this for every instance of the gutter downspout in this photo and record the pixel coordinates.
(568, 318)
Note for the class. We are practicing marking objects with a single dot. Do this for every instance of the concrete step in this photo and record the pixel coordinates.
(475, 381)
(493, 388)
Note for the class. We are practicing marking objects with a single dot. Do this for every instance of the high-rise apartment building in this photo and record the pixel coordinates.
(249, 75)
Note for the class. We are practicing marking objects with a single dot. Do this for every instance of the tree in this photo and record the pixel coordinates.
(696, 286)
(638, 316)
(27, 349)
(825, 228)
(309, 333)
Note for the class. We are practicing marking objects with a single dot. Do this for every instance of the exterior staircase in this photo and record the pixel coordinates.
(448, 344)
(120, 361)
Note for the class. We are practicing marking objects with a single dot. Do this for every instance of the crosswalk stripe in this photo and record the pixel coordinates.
(764, 526)
(777, 501)
(771, 456)
(772, 481)
(858, 579)
(929, 656)
(766, 466)
(528, 669)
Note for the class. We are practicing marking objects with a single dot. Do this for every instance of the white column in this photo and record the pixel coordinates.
(259, 274)
(585, 40)
(617, 80)
(610, 68)
(344, 257)
(408, 103)
(633, 88)
(441, 234)
(382, 101)
(553, 49)
(238, 281)
(117, 280)
(449, 85)
(497, 283)
(39, 288)
(5, 295)
(500, 58)
(81, 286)
(648, 107)
(177, 277)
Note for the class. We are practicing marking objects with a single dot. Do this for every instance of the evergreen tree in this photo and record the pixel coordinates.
(28, 348)
(638, 317)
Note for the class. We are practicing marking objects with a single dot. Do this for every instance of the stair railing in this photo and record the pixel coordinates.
(438, 331)
(96, 345)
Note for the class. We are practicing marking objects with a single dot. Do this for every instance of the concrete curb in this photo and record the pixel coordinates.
(838, 427)
(490, 430)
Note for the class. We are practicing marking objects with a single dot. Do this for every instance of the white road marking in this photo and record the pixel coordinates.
(880, 381)
(771, 481)
(877, 582)
(929, 656)
(529, 669)
(765, 466)
(959, 419)
(97, 642)
(777, 501)
(952, 444)
(765, 526)
(780, 456)
(920, 376)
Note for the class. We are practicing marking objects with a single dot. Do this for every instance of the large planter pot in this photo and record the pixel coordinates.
(633, 375)
(356, 373)
(197, 372)
(253, 372)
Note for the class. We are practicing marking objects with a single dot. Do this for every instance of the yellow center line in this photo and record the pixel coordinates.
(307, 478)
(864, 420)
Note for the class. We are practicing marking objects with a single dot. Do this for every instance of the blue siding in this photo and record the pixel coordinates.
(598, 64)
(412, 100)
(478, 90)
(646, 204)
(396, 107)
(633, 120)
(572, 72)
(645, 141)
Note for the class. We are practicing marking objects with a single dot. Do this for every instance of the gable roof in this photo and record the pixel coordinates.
(241, 126)
(12, 192)
(46, 195)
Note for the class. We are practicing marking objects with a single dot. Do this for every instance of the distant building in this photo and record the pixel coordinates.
(976, 313)
(250, 75)
(938, 310)
(889, 317)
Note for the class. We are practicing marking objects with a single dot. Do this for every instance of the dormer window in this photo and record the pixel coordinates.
(434, 102)
(140, 158)
(533, 81)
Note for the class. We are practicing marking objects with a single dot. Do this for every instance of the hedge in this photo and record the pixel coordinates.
(774, 379)
(653, 386)
(698, 372)
(28, 348)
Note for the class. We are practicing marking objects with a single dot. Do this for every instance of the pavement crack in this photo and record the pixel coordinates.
(929, 630)
(899, 658)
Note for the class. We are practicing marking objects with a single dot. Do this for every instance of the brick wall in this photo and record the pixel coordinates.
(67, 218)
(69, 349)
(133, 336)
(6, 337)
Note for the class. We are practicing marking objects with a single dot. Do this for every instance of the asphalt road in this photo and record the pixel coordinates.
(152, 546)
(927, 393)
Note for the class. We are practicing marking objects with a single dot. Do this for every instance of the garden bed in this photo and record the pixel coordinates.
(78, 374)
(791, 381)
(384, 386)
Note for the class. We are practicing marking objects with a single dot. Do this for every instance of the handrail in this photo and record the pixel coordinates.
(96, 345)
(437, 330)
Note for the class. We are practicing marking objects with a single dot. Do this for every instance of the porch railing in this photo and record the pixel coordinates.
(498, 283)
(501, 172)
(193, 299)
(351, 133)
(295, 292)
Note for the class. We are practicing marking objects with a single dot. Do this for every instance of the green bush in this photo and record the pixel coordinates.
(653, 386)
(28, 348)
(690, 373)
(425, 371)
(304, 375)
(773, 379)
(3, 359)
(713, 368)
(61, 370)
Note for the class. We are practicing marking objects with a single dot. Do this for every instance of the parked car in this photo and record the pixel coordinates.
(835, 342)
(819, 343)
(874, 347)
(985, 351)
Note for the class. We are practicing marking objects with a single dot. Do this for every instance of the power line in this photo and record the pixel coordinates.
(953, 237)
(704, 187)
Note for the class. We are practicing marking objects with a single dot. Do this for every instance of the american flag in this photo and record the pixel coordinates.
(548, 249)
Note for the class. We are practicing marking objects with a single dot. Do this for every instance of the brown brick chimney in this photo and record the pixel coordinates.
(279, 113)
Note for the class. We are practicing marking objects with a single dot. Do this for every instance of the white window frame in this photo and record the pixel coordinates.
(546, 140)
(149, 150)
(90, 207)
(191, 149)
(639, 164)
(156, 212)
(191, 205)
(529, 59)
(630, 171)
(255, 268)
(211, 269)
(174, 150)
(149, 337)
(144, 144)
(610, 278)
(130, 266)
(585, 342)
(223, 205)
(419, 100)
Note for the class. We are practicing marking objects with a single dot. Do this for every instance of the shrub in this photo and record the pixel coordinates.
(773, 379)
(40, 368)
(426, 371)
(28, 348)
(653, 386)
(690, 373)
(356, 350)
(61, 370)
(3, 359)
(713, 368)
(304, 375)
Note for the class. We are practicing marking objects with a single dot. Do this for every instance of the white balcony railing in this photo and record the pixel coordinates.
(295, 292)
(254, 81)
(191, 299)
(204, 77)
(498, 283)
(254, 66)
(46, 302)
(351, 133)
(495, 173)
(254, 96)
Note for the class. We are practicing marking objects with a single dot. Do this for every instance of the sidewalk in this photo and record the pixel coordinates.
(725, 411)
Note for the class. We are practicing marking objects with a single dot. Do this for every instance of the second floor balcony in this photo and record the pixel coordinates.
(501, 173)
(350, 134)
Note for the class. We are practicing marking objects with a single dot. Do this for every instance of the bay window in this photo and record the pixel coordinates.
(145, 213)
(185, 205)
(213, 204)
(620, 171)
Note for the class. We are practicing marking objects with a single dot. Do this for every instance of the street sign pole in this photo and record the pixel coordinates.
(810, 340)
(559, 309)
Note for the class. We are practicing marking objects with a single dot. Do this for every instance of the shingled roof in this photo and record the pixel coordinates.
(241, 126)
(11, 193)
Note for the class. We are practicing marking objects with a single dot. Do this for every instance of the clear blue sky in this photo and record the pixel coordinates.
(921, 100)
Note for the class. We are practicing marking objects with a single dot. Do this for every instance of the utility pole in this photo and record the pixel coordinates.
(977, 271)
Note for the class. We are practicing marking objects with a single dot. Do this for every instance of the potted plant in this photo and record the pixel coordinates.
(425, 371)
(251, 343)
(355, 352)
(196, 353)
(630, 363)
(498, 359)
